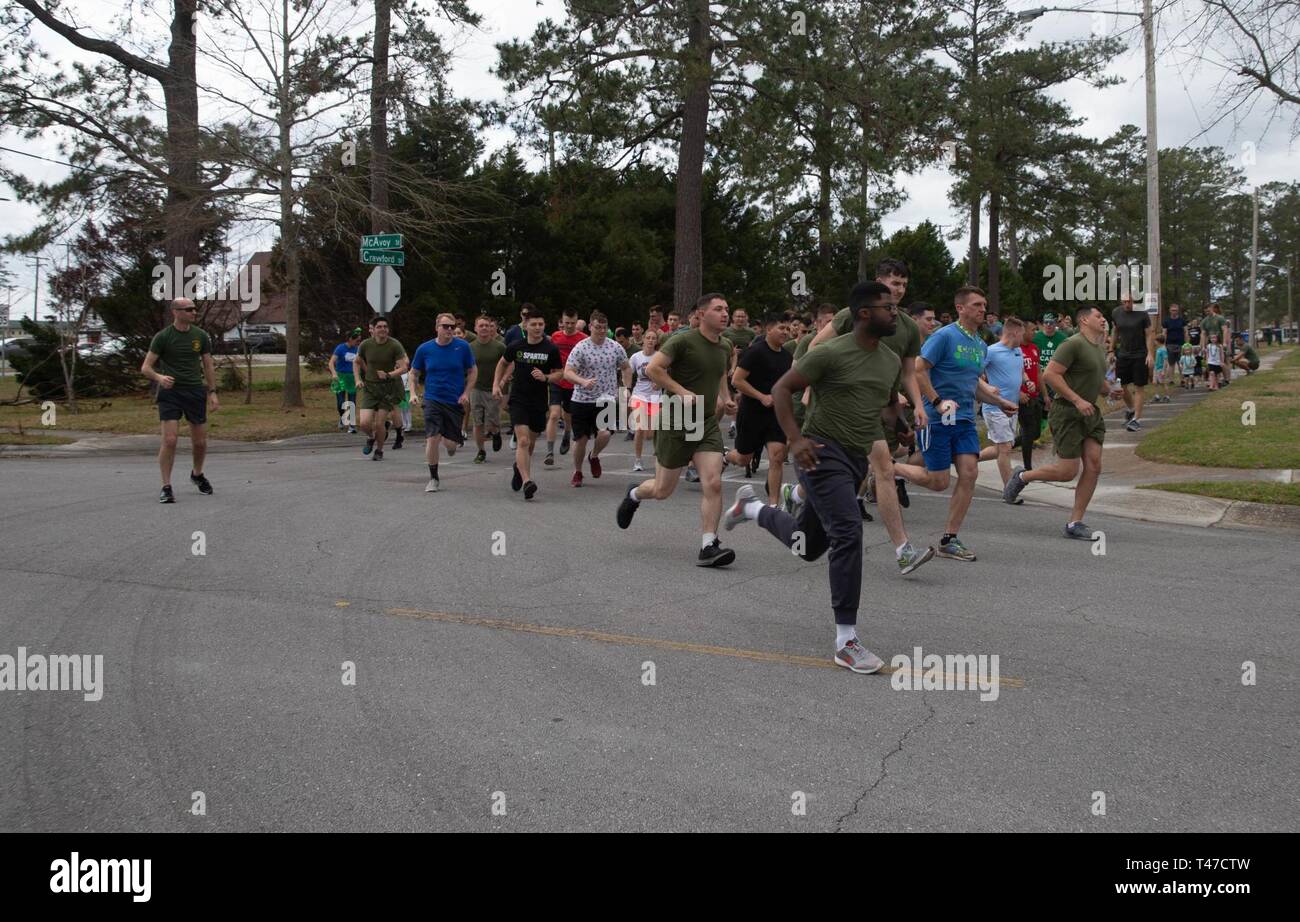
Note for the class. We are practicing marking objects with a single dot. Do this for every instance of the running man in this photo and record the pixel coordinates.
(484, 408)
(692, 367)
(644, 402)
(1077, 373)
(535, 364)
(1004, 371)
(1132, 342)
(856, 379)
(447, 365)
(949, 373)
(1031, 407)
(380, 363)
(565, 338)
(344, 383)
(187, 387)
(593, 368)
(757, 426)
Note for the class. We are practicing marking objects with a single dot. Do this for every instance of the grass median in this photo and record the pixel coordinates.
(1220, 431)
(1250, 491)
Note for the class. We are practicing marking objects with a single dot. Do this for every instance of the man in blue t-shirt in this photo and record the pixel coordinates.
(447, 366)
(1004, 370)
(1175, 327)
(948, 372)
(344, 383)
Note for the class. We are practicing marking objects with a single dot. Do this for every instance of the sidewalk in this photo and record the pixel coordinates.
(1122, 471)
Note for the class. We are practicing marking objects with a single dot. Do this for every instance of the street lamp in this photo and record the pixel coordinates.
(1153, 160)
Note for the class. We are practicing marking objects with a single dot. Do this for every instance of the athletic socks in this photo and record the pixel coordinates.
(631, 494)
(433, 471)
(898, 551)
(844, 633)
(797, 493)
(751, 509)
(709, 538)
(946, 538)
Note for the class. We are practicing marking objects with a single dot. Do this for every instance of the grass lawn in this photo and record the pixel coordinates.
(1251, 491)
(261, 420)
(33, 438)
(1212, 433)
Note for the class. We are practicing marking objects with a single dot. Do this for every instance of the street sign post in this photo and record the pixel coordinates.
(381, 241)
(383, 258)
(383, 289)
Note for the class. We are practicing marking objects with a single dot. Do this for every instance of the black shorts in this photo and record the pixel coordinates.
(1131, 369)
(586, 419)
(756, 427)
(562, 397)
(534, 417)
(444, 419)
(190, 402)
(1214, 369)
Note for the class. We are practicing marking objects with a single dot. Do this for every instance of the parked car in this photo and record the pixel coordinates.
(17, 346)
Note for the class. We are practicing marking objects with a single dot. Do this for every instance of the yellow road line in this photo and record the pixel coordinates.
(548, 630)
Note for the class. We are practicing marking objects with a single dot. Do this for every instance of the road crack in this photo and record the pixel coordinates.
(884, 766)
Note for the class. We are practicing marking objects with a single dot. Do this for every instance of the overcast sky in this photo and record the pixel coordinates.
(1185, 98)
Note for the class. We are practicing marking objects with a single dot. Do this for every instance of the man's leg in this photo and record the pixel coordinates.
(524, 451)
(1139, 398)
(1087, 480)
(661, 486)
(167, 449)
(932, 480)
(366, 420)
(967, 469)
(379, 428)
(552, 423)
(199, 445)
(775, 464)
(602, 439)
(1128, 398)
(709, 466)
(579, 452)
(891, 513)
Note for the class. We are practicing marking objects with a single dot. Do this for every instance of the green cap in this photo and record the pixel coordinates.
(1049, 317)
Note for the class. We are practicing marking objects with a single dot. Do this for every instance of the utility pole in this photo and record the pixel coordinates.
(1153, 162)
(36, 292)
(1254, 261)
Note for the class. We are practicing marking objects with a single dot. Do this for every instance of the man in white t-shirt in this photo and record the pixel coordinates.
(593, 369)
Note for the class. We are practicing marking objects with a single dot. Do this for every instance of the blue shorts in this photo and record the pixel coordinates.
(940, 444)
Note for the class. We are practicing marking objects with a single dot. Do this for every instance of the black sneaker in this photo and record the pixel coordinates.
(549, 460)
(368, 447)
(1128, 415)
(165, 495)
(378, 455)
(564, 443)
(480, 457)
(530, 490)
(715, 555)
(202, 483)
(903, 499)
(517, 480)
(862, 507)
(496, 441)
(626, 510)
(401, 440)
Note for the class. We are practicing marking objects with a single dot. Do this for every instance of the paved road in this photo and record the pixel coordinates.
(516, 674)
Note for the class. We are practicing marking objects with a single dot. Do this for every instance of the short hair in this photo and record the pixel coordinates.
(737, 310)
(532, 313)
(705, 300)
(569, 312)
(774, 317)
(866, 294)
(1014, 323)
(598, 316)
(488, 317)
(527, 307)
(1160, 338)
(919, 308)
(887, 267)
(1083, 311)
(825, 308)
(656, 308)
(963, 293)
(380, 319)
(619, 331)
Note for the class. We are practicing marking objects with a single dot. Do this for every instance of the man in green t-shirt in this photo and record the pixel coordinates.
(485, 409)
(1077, 373)
(180, 363)
(1249, 358)
(739, 334)
(856, 379)
(1048, 339)
(691, 370)
(380, 363)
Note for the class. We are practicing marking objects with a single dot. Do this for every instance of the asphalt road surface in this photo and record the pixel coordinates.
(517, 681)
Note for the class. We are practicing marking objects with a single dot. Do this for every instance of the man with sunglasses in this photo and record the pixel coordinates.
(447, 364)
(183, 352)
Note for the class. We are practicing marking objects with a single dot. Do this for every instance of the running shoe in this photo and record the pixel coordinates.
(352, 430)
(626, 509)
(576, 480)
(595, 466)
(692, 475)
(401, 440)
(564, 443)
(630, 436)
(1011, 489)
(1128, 415)
(637, 465)
(530, 490)
(955, 550)
(788, 502)
(731, 433)
(903, 499)
(368, 447)
(202, 483)
(857, 658)
(862, 507)
(549, 460)
(1080, 531)
(517, 480)
(514, 442)
(1133, 425)
(480, 457)
(715, 555)
(165, 495)
(912, 558)
(432, 486)
(736, 514)
(378, 455)
(496, 441)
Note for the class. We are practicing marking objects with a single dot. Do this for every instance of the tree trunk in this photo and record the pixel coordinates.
(183, 212)
(1013, 245)
(995, 278)
(688, 250)
(824, 220)
(973, 260)
(289, 244)
(379, 119)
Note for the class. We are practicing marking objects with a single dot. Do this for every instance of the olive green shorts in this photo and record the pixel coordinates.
(1070, 428)
(674, 448)
(381, 395)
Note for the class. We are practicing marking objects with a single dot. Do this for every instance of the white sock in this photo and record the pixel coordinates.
(751, 508)
(844, 633)
(709, 538)
(632, 495)
(898, 551)
(797, 493)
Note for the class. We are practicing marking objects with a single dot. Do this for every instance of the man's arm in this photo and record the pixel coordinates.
(402, 367)
(657, 371)
(913, 391)
(824, 335)
(414, 383)
(471, 376)
(740, 378)
(1151, 343)
(146, 369)
(725, 405)
(333, 371)
(988, 394)
(504, 368)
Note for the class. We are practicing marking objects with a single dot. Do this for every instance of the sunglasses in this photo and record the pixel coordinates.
(446, 326)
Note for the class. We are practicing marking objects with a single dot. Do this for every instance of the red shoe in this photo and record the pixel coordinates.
(595, 466)
(577, 479)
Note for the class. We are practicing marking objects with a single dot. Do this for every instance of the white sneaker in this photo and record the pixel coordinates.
(637, 466)
(432, 486)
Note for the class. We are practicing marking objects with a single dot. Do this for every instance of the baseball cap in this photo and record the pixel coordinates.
(1049, 317)
(357, 331)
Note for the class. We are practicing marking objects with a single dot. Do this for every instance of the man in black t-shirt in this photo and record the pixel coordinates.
(536, 365)
(1132, 342)
(760, 366)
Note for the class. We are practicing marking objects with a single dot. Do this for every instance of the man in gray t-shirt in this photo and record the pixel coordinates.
(593, 369)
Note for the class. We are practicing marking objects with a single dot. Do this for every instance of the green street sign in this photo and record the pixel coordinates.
(381, 242)
(383, 258)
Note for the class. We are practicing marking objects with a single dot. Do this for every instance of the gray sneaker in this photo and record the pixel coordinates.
(955, 550)
(912, 558)
(1011, 489)
(857, 658)
(1133, 425)
(692, 475)
(1078, 530)
(788, 502)
(736, 514)
(432, 486)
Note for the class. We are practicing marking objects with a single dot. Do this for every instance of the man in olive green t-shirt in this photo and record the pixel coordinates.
(691, 369)
(1077, 374)
(484, 409)
(380, 363)
(180, 363)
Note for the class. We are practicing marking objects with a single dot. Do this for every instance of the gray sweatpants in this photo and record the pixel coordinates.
(830, 518)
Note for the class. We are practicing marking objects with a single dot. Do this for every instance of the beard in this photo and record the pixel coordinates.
(880, 329)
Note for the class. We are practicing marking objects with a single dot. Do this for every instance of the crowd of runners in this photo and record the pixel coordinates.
(862, 401)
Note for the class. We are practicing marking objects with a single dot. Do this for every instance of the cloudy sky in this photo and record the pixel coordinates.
(1186, 94)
